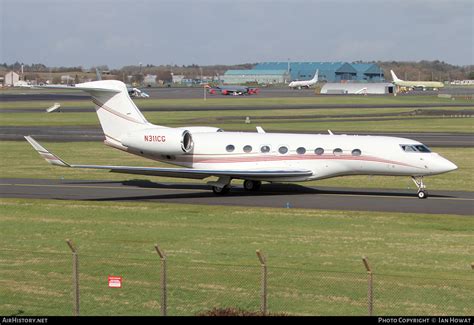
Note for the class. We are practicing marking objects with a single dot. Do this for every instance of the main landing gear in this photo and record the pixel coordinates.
(222, 186)
(422, 194)
(221, 190)
(252, 185)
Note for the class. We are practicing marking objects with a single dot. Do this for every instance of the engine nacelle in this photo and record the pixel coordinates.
(201, 129)
(161, 141)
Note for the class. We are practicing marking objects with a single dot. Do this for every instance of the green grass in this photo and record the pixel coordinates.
(421, 262)
(254, 101)
(315, 120)
(18, 159)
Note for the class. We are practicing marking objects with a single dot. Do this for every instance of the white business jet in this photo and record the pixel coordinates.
(304, 83)
(257, 157)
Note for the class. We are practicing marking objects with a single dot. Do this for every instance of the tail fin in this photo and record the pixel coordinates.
(117, 113)
(316, 74)
(394, 76)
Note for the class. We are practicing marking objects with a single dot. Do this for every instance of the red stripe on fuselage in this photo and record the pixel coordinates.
(205, 159)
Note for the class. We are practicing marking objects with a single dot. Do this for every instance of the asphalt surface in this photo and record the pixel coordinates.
(43, 108)
(197, 92)
(74, 134)
(271, 195)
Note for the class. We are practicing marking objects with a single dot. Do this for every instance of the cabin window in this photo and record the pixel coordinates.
(319, 151)
(248, 148)
(283, 150)
(301, 151)
(230, 148)
(337, 151)
(356, 152)
(265, 149)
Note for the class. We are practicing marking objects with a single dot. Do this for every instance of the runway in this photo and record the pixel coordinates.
(198, 92)
(82, 133)
(271, 195)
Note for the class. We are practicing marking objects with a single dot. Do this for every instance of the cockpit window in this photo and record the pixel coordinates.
(422, 148)
(414, 148)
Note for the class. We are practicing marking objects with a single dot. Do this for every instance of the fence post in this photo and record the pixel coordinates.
(163, 280)
(75, 278)
(370, 294)
(263, 263)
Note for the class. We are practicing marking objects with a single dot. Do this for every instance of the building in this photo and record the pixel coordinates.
(150, 80)
(369, 72)
(357, 88)
(11, 78)
(177, 78)
(328, 71)
(259, 76)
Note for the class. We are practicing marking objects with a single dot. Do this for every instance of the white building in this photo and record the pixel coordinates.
(149, 80)
(177, 78)
(11, 78)
(369, 88)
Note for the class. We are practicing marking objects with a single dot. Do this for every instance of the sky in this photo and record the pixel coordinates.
(205, 32)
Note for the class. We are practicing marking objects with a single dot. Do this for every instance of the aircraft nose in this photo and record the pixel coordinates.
(446, 166)
(450, 166)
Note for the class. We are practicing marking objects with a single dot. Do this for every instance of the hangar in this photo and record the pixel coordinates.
(328, 71)
(268, 76)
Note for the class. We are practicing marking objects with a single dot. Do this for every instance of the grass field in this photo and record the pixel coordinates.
(427, 119)
(421, 262)
(338, 120)
(20, 160)
(213, 101)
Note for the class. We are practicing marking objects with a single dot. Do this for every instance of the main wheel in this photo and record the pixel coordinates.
(252, 185)
(422, 195)
(221, 190)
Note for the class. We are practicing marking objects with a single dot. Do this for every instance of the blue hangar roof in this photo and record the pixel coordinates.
(329, 71)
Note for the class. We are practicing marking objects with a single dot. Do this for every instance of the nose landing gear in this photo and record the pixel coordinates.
(422, 194)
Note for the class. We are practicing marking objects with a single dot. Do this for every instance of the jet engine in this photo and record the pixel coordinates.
(163, 141)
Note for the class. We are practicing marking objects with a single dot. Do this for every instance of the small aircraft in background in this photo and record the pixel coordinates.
(304, 83)
(135, 92)
(132, 91)
(435, 85)
(231, 90)
(255, 157)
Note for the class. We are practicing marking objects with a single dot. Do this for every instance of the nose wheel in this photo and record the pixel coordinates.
(422, 194)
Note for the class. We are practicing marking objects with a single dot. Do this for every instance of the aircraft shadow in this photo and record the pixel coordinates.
(266, 190)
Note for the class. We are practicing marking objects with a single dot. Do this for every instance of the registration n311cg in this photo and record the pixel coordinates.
(255, 157)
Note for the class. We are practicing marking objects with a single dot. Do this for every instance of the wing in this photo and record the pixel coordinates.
(175, 172)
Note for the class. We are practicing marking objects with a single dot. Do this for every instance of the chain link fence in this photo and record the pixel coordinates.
(42, 283)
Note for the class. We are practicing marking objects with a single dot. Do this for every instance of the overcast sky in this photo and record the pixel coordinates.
(205, 32)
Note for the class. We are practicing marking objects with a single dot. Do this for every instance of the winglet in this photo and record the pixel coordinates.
(48, 156)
